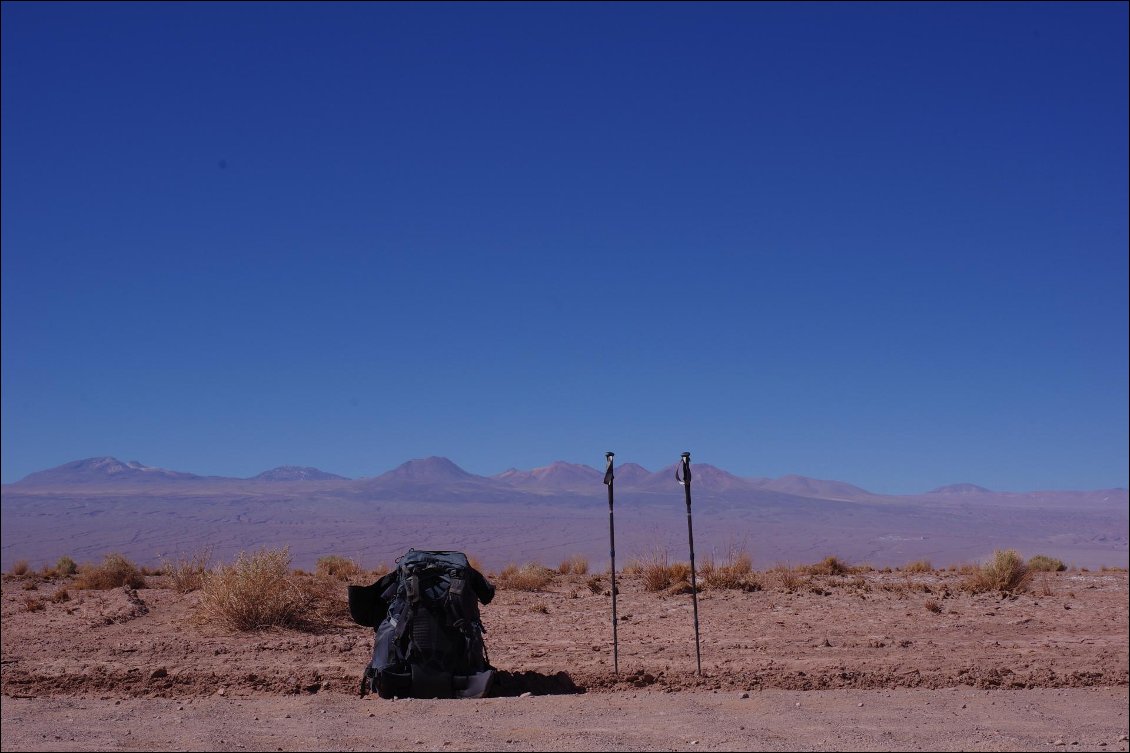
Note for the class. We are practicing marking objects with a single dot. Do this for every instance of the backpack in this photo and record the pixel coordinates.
(429, 635)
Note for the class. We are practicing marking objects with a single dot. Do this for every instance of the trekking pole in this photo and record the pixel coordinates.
(608, 478)
(686, 482)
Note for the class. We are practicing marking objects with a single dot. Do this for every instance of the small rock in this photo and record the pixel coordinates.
(694, 742)
(371, 714)
(221, 691)
(861, 704)
(798, 704)
(743, 695)
(1059, 742)
(1123, 738)
(527, 694)
(159, 672)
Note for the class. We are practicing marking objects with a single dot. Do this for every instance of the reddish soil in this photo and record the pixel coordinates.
(877, 661)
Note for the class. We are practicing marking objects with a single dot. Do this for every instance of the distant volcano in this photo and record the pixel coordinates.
(297, 473)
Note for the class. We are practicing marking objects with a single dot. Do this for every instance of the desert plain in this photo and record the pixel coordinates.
(892, 659)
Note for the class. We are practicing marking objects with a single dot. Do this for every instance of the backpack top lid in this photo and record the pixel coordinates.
(419, 557)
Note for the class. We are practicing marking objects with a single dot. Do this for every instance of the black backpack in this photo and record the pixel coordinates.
(429, 636)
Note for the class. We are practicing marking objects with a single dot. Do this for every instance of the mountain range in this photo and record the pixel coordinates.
(95, 505)
(557, 477)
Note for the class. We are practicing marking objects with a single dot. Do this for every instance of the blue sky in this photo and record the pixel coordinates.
(885, 244)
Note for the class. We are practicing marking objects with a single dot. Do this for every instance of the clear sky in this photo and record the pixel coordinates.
(884, 244)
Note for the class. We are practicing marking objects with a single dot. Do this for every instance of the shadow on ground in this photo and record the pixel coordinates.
(510, 684)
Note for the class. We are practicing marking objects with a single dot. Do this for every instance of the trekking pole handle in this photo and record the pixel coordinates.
(685, 462)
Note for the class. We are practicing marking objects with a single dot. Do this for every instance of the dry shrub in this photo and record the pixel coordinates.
(19, 567)
(1046, 564)
(1006, 572)
(595, 584)
(33, 604)
(186, 573)
(540, 608)
(257, 591)
(576, 564)
(933, 606)
(680, 571)
(828, 566)
(338, 567)
(60, 596)
(31, 584)
(65, 567)
(529, 577)
(113, 572)
(920, 566)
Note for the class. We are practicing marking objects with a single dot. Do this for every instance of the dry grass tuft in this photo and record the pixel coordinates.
(33, 604)
(659, 573)
(19, 567)
(920, 566)
(338, 567)
(529, 577)
(1006, 572)
(735, 572)
(1044, 587)
(830, 565)
(576, 564)
(595, 584)
(384, 569)
(1046, 564)
(789, 579)
(933, 606)
(540, 608)
(633, 567)
(60, 596)
(114, 571)
(257, 591)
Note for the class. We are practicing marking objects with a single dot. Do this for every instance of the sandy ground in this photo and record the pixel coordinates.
(934, 668)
